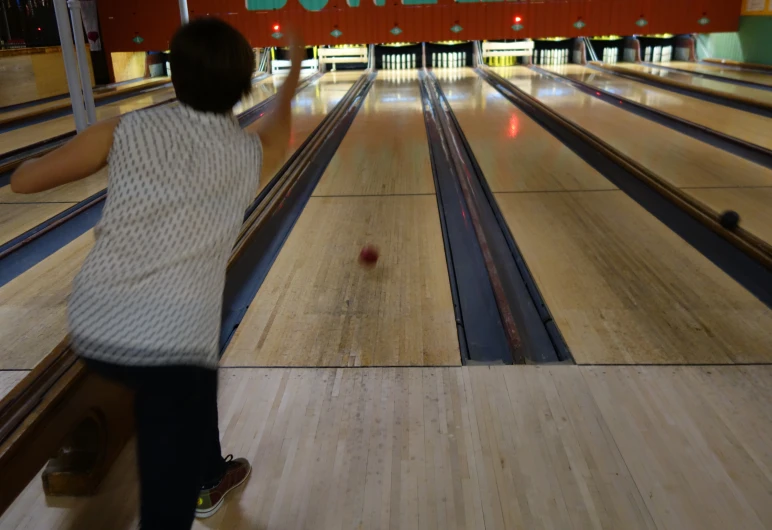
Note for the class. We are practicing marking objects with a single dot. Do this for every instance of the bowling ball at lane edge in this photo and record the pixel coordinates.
(368, 256)
(730, 219)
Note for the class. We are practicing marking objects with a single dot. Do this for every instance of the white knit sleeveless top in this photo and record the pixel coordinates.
(150, 292)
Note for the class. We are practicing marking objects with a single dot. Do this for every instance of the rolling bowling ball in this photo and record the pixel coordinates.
(368, 256)
(730, 219)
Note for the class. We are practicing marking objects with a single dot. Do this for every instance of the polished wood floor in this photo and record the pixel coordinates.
(562, 447)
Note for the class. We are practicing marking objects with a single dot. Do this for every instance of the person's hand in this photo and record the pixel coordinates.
(297, 47)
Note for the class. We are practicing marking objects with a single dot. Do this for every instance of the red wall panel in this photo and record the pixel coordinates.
(154, 22)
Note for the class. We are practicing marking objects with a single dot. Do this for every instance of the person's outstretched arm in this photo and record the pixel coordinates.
(79, 158)
(274, 129)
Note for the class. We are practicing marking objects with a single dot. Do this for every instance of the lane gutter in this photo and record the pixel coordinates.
(541, 339)
(742, 255)
(481, 334)
(499, 316)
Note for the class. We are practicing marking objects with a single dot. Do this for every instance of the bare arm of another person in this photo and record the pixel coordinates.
(274, 129)
(79, 158)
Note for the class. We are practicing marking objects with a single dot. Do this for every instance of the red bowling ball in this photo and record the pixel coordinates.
(368, 256)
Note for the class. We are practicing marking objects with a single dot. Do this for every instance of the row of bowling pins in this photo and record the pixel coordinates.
(448, 60)
(658, 54)
(610, 55)
(550, 56)
(500, 61)
(399, 62)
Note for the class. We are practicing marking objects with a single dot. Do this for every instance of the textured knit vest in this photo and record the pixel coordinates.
(150, 292)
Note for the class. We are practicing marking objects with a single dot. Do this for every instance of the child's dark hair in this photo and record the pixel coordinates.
(212, 65)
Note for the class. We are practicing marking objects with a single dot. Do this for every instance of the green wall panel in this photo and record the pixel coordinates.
(751, 44)
(756, 39)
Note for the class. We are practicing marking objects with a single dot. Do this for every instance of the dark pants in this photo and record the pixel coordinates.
(178, 442)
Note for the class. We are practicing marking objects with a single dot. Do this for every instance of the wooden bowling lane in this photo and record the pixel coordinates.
(32, 306)
(746, 126)
(723, 71)
(317, 305)
(384, 151)
(37, 132)
(19, 213)
(59, 103)
(540, 164)
(622, 287)
(732, 89)
(25, 136)
(473, 448)
(9, 379)
(683, 161)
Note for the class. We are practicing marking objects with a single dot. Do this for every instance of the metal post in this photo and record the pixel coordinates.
(5, 22)
(184, 17)
(80, 48)
(70, 64)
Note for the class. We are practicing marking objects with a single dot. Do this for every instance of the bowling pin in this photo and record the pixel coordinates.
(386, 64)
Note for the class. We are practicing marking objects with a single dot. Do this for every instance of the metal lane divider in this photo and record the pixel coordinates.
(531, 333)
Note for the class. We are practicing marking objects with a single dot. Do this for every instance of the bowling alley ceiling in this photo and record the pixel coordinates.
(141, 25)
